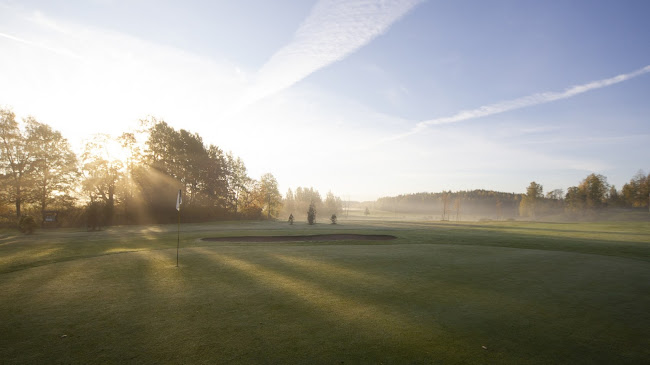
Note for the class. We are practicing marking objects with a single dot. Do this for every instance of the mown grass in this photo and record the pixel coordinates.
(497, 292)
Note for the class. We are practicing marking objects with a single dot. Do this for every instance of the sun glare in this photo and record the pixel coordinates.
(116, 152)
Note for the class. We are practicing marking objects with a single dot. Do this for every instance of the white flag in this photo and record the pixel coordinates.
(179, 201)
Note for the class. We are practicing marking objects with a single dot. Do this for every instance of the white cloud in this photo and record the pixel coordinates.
(519, 103)
(333, 30)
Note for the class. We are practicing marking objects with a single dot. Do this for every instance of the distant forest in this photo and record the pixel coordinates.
(590, 197)
(135, 178)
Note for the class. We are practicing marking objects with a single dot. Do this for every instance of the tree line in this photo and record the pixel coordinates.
(298, 202)
(448, 205)
(130, 179)
(591, 196)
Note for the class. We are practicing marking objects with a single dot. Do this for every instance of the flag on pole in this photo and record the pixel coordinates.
(179, 201)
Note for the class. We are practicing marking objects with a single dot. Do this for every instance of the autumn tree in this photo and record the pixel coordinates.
(271, 195)
(203, 172)
(595, 188)
(636, 193)
(614, 198)
(251, 200)
(574, 200)
(214, 184)
(529, 202)
(54, 164)
(16, 159)
(556, 194)
(237, 181)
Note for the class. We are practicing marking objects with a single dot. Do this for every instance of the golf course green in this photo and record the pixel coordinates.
(441, 292)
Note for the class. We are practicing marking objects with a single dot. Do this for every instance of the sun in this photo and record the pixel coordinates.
(106, 147)
(116, 152)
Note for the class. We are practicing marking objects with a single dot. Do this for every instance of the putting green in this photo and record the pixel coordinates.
(324, 303)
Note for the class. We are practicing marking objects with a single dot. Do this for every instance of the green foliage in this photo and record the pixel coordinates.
(27, 224)
(333, 218)
(311, 214)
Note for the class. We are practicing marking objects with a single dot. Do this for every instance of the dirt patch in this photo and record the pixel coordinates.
(315, 237)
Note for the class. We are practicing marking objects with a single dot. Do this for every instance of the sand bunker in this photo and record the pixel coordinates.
(315, 237)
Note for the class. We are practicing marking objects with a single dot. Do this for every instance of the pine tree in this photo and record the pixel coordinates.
(311, 214)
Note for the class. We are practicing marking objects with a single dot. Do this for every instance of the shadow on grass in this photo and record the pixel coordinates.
(487, 236)
(539, 227)
(329, 304)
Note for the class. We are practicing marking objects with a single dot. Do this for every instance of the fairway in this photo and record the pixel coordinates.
(496, 292)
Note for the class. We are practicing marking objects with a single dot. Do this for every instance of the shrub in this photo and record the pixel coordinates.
(27, 224)
(94, 216)
(333, 218)
(311, 214)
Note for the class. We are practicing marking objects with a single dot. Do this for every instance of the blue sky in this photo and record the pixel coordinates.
(365, 98)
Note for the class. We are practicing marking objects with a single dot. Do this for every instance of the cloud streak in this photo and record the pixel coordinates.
(519, 103)
(333, 30)
(59, 51)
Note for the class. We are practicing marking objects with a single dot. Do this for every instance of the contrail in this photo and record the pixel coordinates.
(333, 30)
(519, 103)
(59, 51)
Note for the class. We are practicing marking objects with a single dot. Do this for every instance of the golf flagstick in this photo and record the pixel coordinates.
(179, 201)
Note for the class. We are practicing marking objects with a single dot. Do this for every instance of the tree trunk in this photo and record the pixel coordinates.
(18, 200)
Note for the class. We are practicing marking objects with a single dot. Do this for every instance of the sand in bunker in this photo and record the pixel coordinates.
(315, 237)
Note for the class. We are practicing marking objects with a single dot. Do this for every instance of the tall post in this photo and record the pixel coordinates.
(178, 239)
(179, 201)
